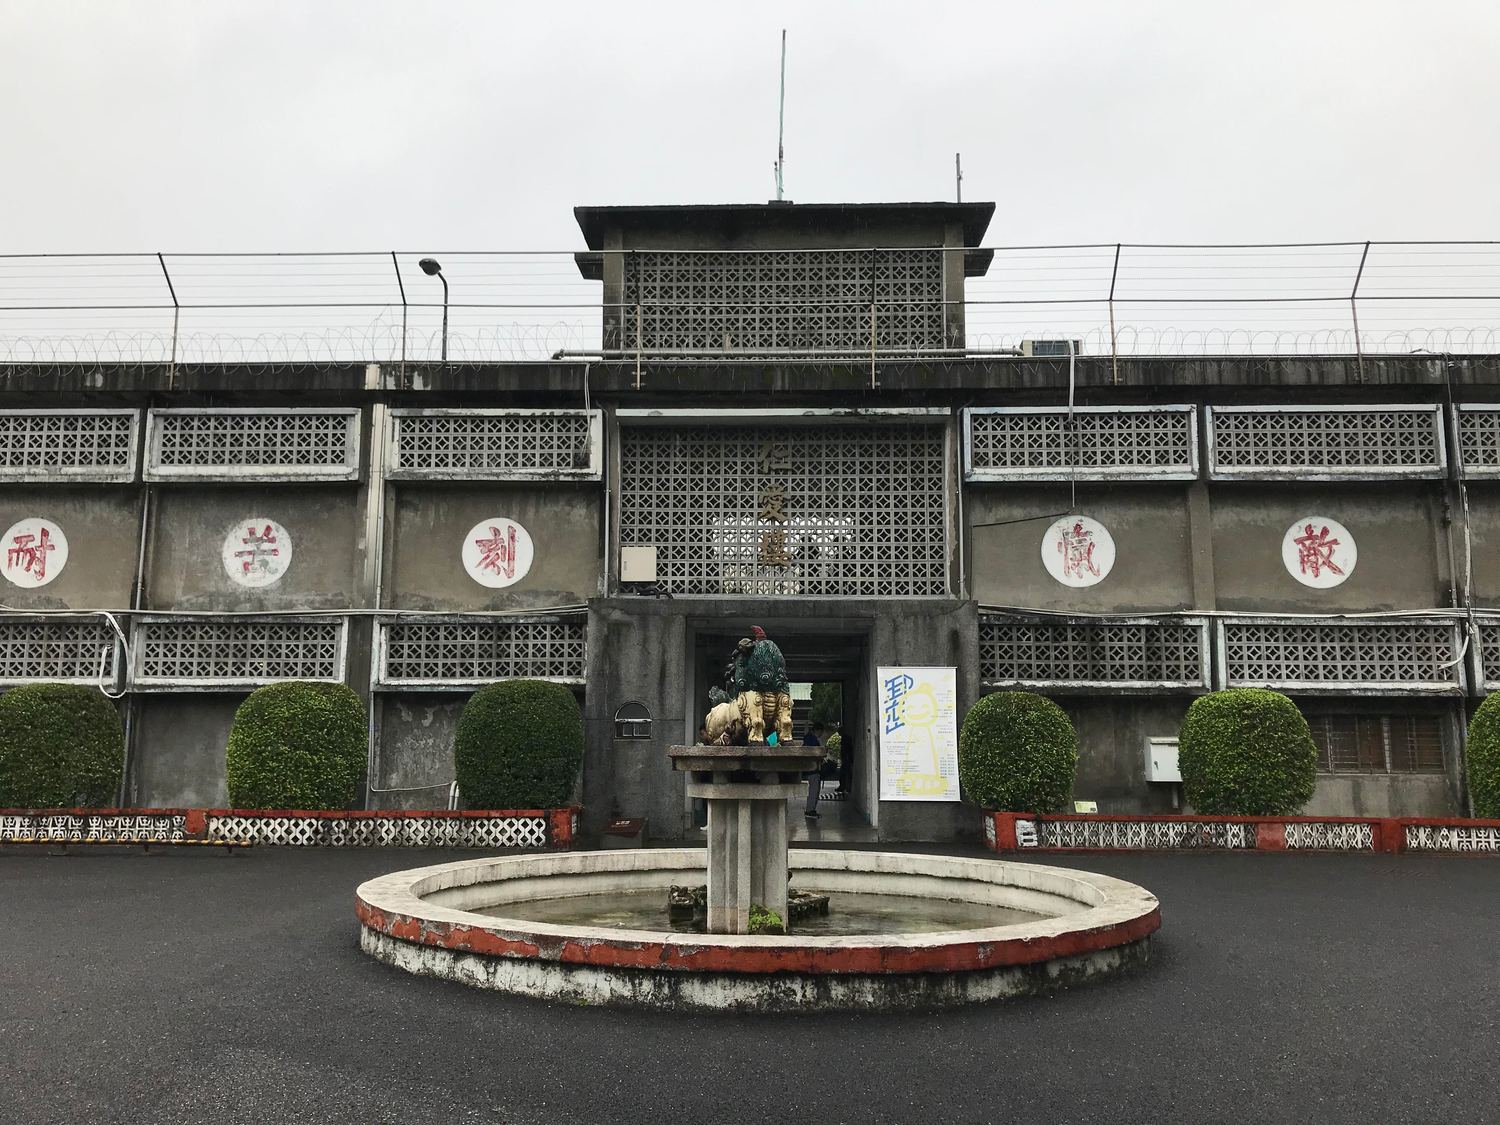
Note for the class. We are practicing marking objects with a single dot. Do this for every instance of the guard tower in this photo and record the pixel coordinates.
(784, 280)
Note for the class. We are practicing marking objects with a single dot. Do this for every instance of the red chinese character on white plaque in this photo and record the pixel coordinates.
(1078, 551)
(1318, 552)
(257, 552)
(497, 552)
(36, 550)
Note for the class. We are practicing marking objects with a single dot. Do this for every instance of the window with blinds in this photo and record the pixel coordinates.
(1378, 743)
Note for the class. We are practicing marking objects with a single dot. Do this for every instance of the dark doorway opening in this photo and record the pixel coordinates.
(814, 656)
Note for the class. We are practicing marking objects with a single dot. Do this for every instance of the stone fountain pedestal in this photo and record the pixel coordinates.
(747, 788)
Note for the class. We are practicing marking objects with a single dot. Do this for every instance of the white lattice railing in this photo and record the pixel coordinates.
(1325, 442)
(495, 445)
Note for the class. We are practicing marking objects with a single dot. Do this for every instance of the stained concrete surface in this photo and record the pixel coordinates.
(192, 986)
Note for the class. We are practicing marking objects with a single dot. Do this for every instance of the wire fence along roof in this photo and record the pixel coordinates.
(517, 306)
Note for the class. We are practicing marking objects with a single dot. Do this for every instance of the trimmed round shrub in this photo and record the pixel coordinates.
(1017, 752)
(519, 745)
(1246, 752)
(1484, 758)
(297, 745)
(61, 746)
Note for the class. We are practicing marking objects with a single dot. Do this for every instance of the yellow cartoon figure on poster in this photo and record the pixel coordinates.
(918, 734)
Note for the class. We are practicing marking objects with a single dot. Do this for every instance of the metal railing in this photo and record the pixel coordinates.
(1350, 298)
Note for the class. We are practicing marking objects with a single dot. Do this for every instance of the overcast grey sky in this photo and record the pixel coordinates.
(209, 125)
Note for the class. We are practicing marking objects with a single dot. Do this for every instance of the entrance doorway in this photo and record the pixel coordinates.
(813, 656)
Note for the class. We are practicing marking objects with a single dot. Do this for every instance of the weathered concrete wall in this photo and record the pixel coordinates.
(1149, 525)
(190, 526)
(1397, 527)
(103, 528)
(179, 750)
(1112, 733)
(427, 525)
(913, 634)
(1484, 525)
(1363, 794)
(415, 748)
(638, 651)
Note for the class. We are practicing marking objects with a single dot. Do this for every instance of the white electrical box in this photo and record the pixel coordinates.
(637, 564)
(1161, 760)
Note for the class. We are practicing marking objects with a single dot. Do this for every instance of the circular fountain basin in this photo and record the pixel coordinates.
(1052, 927)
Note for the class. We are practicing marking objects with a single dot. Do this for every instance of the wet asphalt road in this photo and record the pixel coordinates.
(190, 986)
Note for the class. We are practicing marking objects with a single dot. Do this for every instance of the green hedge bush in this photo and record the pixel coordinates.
(1246, 752)
(519, 745)
(297, 745)
(61, 746)
(1017, 752)
(1484, 758)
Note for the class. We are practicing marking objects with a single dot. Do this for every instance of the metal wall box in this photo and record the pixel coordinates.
(1340, 656)
(62, 446)
(1161, 760)
(555, 445)
(1003, 443)
(459, 653)
(1323, 443)
(225, 653)
(269, 444)
(637, 564)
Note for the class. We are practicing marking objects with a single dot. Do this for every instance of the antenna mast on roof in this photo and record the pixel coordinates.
(958, 175)
(781, 119)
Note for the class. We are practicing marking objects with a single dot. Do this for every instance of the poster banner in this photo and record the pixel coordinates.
(918, 734)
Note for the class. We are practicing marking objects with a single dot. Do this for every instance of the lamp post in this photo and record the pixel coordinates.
(433, 268)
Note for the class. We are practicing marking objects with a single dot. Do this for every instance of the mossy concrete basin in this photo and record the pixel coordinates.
(1085, 926)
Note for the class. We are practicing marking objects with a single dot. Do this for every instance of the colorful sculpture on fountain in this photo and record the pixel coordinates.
(756, 706)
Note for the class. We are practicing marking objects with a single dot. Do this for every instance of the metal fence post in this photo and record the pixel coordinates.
(1359, 351)
(401, 286)
(1114, 351)
(176, 318)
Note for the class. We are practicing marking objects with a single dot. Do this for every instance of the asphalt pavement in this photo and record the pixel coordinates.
(192, 986)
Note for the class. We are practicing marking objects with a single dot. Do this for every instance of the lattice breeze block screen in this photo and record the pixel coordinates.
(782, 301)
(268, 444)
(1489, 653)
(851, 510)
(1383, 656)
(1100, 443)
(57, 649)
(496, 444)
(1145, 654)
(52, 445)
(1308, 443)
(463, 653)
(1479, 440)
(185, 653)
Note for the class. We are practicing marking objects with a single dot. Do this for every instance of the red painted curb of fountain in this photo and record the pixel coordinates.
(779, 955)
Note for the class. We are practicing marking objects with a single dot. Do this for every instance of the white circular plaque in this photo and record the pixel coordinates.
(1319, 552)
(1078, 551)
(497, 552)
(257, 552)
(35, 551)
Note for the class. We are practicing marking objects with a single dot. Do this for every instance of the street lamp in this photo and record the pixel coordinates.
(433, 268)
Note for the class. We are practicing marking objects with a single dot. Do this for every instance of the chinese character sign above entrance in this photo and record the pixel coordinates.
(1078, 551)
(1319, 552)
(918, 734)
(35, 551)
(497, 552)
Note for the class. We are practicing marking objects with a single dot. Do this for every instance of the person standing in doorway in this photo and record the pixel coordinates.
(814, 737)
